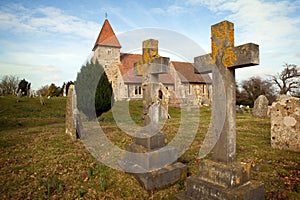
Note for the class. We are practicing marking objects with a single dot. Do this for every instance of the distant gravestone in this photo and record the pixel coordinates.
(42, 102)
(19, 95)
(222, 177)
(157, 163)
(73, 121)
(260, 108)
(285, 123)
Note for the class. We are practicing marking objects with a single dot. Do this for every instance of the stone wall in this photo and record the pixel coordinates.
(106, 55)
(285, 123)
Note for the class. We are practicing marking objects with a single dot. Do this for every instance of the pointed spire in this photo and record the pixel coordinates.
(107, 36)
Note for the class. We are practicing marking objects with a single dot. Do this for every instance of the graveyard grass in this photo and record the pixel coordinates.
(39, 161)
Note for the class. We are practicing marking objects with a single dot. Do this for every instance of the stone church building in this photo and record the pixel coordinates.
(182, 83)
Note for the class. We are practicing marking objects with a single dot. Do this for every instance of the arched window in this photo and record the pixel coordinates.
(160, 94)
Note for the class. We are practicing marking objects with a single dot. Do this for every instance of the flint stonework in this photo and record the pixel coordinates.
(285, 123)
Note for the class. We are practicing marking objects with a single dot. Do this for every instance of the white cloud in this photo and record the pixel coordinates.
(44, 19)
(172, 10)
(274, 25)
(50, 68)
(211, 4)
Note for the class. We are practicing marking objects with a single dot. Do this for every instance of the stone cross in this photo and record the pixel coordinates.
(150, 67)
(222, 62)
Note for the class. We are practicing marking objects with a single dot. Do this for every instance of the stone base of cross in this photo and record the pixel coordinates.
(153, 162)
(222, 177)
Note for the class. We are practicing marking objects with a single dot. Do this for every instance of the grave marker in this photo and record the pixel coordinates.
(19, 95)
(73, 120)
(222, 177)
(260, 108)
(157, 161)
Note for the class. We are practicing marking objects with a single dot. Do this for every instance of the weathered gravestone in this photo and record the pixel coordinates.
(156, 165)
(260, 108)
(221, 177)
(73, 121)
(285, 123)
(19, 95)
(42, 102)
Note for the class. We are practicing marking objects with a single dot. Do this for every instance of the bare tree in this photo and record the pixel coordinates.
(252, 88)
(288, 81)
(9, 84)
(43, 90)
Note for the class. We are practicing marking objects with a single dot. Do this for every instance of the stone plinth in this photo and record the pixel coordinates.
(150, 140)
(163, 177)
(199, 189)
(285, 123)
(151, 160)
(219, 181)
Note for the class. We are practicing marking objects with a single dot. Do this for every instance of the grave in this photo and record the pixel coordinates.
(221, 176)
(41, 99)
(285, 123)
(19, 95)
(260, 108)
(73, 120)
(153, 160)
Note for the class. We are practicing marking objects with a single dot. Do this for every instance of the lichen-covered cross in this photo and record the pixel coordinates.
(150, 67)
(222, 62)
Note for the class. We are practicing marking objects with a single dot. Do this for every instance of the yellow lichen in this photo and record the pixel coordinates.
(229, 58)
(238, 181)
(150, 52)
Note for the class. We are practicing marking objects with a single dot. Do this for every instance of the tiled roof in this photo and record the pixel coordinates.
(127, 70)
(187, 75)
(185, 69)
(107, 36)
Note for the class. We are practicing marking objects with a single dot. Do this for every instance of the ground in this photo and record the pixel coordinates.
(39, 161)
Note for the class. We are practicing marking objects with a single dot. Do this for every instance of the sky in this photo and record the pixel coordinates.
(47, 41)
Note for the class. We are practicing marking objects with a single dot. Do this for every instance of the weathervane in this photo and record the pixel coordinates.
(105, 15)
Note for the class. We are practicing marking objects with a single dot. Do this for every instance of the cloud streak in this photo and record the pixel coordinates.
(16, 18)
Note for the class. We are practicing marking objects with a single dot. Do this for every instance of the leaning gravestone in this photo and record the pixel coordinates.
(285, 123)
(156, 162)
(222, 177)
(73, 121)
(260, 108)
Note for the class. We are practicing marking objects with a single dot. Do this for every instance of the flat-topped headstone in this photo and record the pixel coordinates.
(222, 177)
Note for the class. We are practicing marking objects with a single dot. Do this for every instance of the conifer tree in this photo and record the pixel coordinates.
(93, 90)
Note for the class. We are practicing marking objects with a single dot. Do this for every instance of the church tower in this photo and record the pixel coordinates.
(107, 46)
(107, 52)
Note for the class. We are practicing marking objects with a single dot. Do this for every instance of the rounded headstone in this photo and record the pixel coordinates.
(260, 108)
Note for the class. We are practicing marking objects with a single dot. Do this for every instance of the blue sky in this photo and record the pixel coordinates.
(48, 41)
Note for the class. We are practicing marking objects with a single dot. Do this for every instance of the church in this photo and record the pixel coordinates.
(182, 84)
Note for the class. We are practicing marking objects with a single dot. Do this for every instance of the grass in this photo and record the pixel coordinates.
(39, 161)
